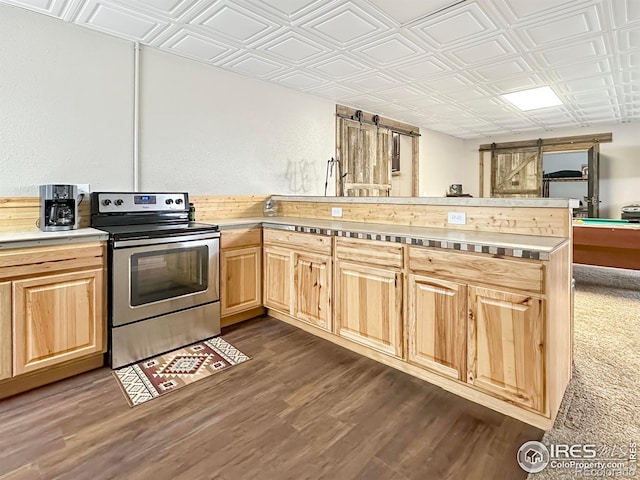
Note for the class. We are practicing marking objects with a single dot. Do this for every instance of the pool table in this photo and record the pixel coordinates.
(606, 242)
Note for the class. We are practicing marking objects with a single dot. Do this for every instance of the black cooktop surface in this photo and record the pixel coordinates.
(156, 230)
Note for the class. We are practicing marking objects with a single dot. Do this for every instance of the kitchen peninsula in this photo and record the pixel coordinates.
(470, 294)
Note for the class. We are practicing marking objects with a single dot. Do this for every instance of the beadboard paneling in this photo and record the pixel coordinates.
(215, 207)
(21, 213)
(545, 221)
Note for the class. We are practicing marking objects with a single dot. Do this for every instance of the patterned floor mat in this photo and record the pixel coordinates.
(151, 378)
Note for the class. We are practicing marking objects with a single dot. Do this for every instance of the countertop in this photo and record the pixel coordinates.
(34, 238)
(522, 246)
(452, 201)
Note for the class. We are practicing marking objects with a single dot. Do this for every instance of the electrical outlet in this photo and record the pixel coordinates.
(457, 218)
(84, 188)
(336, 211)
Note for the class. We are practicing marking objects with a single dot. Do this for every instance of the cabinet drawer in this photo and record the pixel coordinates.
(305, 241)
(22, 262)
(369, 252)
(471, 268)
(240, 237)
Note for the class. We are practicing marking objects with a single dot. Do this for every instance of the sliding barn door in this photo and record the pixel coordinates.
(593, 189)
(366, 159)
(516, 173)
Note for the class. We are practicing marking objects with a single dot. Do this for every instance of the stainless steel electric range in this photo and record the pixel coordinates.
(163, 281)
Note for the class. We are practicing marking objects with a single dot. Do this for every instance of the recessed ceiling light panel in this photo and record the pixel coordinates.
(533, 99)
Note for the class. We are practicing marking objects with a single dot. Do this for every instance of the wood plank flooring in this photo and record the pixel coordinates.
(302, 408)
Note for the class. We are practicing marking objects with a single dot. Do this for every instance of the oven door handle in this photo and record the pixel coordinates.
(160, 240)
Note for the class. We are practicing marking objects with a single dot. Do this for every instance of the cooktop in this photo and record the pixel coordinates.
(155, 230)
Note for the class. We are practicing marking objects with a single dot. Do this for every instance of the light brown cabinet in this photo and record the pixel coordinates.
(57, 318)
(312, 289)
(506, 347)
(297, 276)
(472, 323)
(368, 292)
(499, 334)
(369, 306)
(437, 325)
(240, 270)
(278, 281)
(52, 313)
(241, 275)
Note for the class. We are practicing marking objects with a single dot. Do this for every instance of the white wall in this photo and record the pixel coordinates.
(619, 161)
(65, 105)
(443, 163)
(209, 131)
(66, 115)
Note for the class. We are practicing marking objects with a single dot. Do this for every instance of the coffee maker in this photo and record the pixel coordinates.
(58, 207)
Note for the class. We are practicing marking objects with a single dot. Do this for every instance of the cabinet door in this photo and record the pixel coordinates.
(312, 287)
(57, 318)
(369, 305)
(278, 279)
(506, 346)
(241, 274)
(437, 325)
(5, 330)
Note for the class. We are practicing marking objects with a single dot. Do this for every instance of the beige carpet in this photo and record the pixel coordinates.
(602, 403)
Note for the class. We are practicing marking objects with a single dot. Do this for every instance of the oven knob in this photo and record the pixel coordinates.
(168, 201)
(118, 202)
(178, 201)
(106, 202)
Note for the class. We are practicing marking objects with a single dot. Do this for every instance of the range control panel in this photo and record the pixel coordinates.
(112, 202)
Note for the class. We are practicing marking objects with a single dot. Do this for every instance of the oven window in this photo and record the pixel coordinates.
(171, 273)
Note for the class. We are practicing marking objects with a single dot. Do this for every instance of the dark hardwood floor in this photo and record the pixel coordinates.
(302, 408)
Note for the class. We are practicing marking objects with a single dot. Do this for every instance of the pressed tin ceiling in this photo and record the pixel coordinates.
(439, 64)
